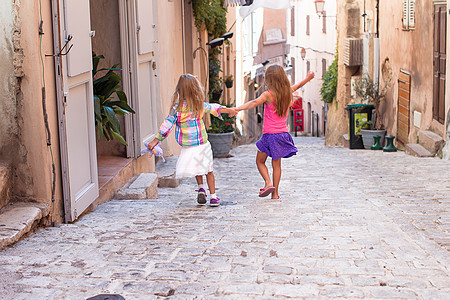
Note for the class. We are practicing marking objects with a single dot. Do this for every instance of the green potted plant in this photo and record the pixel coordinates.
(221, 133)
(215, 80)
(106, 106)
(370, 92)
(229, 81)
(216, 90)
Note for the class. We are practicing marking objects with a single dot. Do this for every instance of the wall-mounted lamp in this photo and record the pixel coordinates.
(264, 63)
(320, 6)
(216, 42)
(303, 53)
(227, 35)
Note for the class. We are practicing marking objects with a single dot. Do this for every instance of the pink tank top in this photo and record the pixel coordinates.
(272, 122)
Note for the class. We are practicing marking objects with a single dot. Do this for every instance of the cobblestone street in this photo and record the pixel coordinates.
(350, 224)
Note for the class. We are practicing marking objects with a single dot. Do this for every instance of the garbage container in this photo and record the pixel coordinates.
(357, 115)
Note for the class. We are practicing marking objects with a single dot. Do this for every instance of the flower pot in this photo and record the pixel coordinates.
(221, 143)
(216, 95)
(229, 84)
(367, 137)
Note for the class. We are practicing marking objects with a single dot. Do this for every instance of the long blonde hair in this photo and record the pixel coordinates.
(278, 83)
(188, 89)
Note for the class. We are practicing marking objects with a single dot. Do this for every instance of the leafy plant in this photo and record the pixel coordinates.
(330, 80)
(105, 105)
(215, 81)
(226, 124)
(370, 92)
(229, 78)
(212, 14)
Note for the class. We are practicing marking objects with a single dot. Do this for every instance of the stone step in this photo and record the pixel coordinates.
(166, 172)
(417, 150)
(143, 186)
(430, 141)
(5, 184)
(19, 218)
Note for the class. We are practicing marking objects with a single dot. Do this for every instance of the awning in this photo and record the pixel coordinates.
(233, 3)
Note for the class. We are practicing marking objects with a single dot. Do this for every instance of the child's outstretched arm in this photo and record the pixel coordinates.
(308, 78)
(254, 103)
(230, 111)
(165, 129)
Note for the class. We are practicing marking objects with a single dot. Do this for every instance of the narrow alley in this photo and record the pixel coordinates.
(349, 224)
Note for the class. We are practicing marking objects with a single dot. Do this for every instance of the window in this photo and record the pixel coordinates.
(324, 66)
(409, 14)
(292, 21)
(324, 22)
(308, 66)
(307, 25)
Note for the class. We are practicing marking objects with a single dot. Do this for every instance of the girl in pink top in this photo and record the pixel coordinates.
(276, 141)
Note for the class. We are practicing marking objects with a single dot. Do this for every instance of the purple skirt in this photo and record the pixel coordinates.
(277, 145)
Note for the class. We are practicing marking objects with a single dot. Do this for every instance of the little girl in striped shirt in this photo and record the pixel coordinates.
(187, 112)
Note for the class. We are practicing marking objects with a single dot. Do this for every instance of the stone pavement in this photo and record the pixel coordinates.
(351, 224)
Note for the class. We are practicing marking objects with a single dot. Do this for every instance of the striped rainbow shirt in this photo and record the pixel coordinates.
(190, 129)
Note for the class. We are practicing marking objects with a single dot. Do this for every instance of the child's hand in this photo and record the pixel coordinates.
(230, 111)
(152, 144)
(310, 75)
(233, 112)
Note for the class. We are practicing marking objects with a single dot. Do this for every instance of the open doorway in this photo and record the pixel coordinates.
(105, 22)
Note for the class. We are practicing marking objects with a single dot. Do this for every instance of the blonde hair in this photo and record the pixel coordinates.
(278, 83)
(188, 89)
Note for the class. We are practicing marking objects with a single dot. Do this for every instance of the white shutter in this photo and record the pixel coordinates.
(411, 12)
(146, 26)
(405, 14)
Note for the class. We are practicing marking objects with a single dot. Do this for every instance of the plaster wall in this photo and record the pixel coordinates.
(411, 51)
(8, 83)
(33, 161)
(273, 19)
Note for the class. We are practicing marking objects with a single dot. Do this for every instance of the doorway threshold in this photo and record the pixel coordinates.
(113, 173)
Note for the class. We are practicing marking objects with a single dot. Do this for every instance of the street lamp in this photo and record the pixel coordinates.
(320, 6)
(303, 53)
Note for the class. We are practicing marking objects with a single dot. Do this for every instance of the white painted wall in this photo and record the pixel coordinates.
(318, 45)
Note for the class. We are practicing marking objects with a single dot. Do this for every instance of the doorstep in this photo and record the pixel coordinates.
(113, 173)
(18, 219)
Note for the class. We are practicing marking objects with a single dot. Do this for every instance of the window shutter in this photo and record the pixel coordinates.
(307, 25)
(324, 67)
(405, 14)
(308, 66)
(411, 14)
(324, 22)
(293, 21)
(293, 69)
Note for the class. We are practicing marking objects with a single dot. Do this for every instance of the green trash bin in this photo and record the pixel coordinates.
(357, 115)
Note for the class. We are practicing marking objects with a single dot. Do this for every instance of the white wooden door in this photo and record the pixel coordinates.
(143, 56)
(76, 108)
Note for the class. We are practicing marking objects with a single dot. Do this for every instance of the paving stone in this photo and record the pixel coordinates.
(352, 224)
(296, 291)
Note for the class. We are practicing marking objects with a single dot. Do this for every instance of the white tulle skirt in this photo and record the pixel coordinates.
(195, 160)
